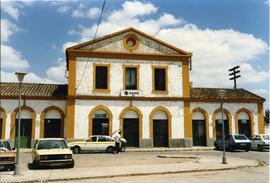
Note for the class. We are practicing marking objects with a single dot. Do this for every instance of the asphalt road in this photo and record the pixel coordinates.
(245, 175)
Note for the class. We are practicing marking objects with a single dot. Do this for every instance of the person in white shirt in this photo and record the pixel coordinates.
(117, 139)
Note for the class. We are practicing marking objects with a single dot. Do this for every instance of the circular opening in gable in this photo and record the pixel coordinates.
(131, 42)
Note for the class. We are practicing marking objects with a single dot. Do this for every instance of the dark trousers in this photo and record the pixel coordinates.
(117, 145)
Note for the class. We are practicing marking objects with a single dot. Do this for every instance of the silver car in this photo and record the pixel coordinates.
(260, 142)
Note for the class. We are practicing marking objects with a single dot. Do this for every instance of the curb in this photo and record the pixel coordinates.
(259, 164)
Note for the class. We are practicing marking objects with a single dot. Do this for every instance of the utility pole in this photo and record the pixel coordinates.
(233, 72)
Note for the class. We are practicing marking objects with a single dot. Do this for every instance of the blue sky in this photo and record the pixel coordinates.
(220, 33)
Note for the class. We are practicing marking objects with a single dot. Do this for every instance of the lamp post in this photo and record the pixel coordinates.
(20, 76)
(222, 96)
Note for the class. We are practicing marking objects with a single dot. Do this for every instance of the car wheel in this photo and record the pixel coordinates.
(259, 148)
(231, 149)
(110, 149)
(76, 150)
(247, 149)
(12, 168)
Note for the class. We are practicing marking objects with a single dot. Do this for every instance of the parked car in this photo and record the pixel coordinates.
(233, 142)
(52, 152)
(260, 142)
(7, 156)
(96, 143)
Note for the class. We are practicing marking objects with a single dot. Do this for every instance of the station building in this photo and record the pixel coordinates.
(133, 82)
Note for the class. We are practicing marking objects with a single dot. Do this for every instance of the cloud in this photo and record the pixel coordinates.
(11, 8)
(7, 29)
(29, 78)
(58, 72)
(12, 59)
(69, 44)
(214, 51)
(63, 9)
(83, 12)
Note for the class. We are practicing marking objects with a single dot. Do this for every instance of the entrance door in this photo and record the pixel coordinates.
(160, 132)
(25, 133)
(131, 131)
(198, 132)
(1, 127)
(219, 128)
(100, 126)
(52, 128)
(244, 127)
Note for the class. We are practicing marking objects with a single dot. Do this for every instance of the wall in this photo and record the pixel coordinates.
(38, 106)
(84, 76)
(83, 108)
(232, 108)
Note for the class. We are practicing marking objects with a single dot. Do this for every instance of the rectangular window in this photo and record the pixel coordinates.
(101, 77)
(160, 80)
(131, 77)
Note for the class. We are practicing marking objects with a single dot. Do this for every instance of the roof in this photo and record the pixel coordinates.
(58, 91)
(33, 90)
(180, 51)
(230, 94)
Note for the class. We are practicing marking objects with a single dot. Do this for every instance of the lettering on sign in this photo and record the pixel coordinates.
(130, 93)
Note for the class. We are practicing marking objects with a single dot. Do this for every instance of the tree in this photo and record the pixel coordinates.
(266, 116)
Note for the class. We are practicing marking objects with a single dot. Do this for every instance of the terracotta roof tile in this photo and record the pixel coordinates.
(230, 94)
(33, 90)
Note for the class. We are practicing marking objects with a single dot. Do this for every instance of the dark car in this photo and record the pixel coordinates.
(233, 142)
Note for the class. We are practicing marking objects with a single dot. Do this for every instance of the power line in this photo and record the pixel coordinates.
(95, 35)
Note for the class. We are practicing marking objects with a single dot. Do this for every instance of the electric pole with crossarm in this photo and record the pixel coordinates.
(234, 75)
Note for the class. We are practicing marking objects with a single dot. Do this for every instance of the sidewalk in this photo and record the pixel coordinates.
(203, 163)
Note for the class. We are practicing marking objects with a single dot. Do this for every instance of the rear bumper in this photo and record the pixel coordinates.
(265, 146)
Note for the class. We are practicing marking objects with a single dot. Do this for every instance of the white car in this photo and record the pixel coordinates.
(52, 152)
(95, 143)
(260, 142)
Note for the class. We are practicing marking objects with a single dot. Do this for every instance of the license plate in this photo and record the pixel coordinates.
(242, 144)
(56, 164)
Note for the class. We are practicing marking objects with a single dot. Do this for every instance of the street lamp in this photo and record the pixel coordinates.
(221, 94)
(20, 76)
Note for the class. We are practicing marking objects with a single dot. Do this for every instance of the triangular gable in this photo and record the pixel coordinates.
(114, 43)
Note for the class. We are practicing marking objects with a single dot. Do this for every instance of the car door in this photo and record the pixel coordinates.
(102, 143)
(91, 144)
(253, 142)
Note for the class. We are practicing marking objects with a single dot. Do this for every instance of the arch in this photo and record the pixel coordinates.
(42, 118)
(4, 117)
(229, 116)
(90, 118)
(121, 117)
(206, 117)
(251, 118)
(163, 109)
(13, 119)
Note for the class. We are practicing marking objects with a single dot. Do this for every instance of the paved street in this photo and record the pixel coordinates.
(106, 162)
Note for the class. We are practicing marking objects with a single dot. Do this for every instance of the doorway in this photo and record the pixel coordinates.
(52, 128)
(131, 131)
(244, 127)
(160, 132)
(25, 132)
(219, 128)
(198, 133)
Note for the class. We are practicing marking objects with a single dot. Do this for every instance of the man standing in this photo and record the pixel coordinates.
(117, 139)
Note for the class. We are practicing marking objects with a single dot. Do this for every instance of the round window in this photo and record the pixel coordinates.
(131, 42)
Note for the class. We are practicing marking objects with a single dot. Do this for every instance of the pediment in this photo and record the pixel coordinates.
(127, 41)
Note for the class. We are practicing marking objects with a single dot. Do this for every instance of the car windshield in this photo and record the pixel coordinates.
(4, 145)
(240, 137)
(266, 137)
(52, 144)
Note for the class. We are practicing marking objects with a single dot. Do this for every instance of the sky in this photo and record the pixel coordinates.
(220, 34)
